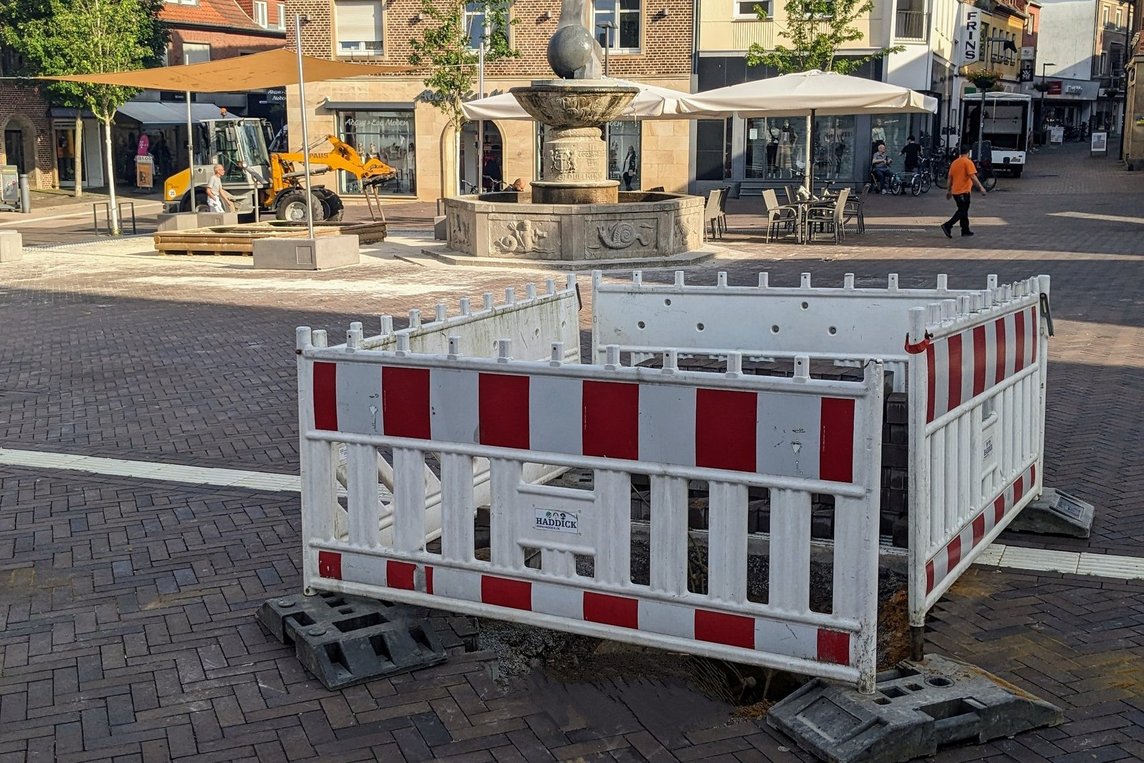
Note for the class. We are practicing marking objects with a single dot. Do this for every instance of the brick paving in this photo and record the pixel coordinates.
(126, 628)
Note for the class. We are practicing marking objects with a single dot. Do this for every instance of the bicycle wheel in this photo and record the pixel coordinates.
(916, 185)
(895, 184)
(941, 176)
(926, 181)
(989, 180)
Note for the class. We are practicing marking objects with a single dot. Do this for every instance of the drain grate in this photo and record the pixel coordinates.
(915, 709)
(347, 640)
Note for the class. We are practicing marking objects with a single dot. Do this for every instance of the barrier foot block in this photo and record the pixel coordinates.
(915, 709)
(1055, 513)
(347, 640)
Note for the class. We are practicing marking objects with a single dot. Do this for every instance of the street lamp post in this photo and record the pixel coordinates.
(299, 20)
(1044, 87)
(607, 26)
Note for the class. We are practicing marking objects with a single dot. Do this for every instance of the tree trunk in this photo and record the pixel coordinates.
(78, 155)
(112, 205)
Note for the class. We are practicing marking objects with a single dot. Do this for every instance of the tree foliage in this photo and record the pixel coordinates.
(816, 30)
(444, 47)
(57, 37)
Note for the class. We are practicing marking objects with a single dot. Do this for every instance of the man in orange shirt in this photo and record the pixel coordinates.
(962, 178)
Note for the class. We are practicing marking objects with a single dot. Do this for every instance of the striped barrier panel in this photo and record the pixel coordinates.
(977, 427)
(561, 557)
(531, 323)
(845, 324)
(976, 385)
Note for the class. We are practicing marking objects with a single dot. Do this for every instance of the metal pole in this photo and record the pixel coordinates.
(481, 122)
(25, 194)
(299, 19)
(1044, 87)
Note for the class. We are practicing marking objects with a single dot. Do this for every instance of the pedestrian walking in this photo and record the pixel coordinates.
(216, 194)
(962, 178)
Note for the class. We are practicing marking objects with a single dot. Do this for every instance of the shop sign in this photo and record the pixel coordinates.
(969, 34)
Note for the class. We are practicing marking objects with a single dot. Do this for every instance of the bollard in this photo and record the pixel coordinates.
(25, 194)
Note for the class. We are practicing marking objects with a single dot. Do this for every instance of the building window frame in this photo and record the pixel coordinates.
(362, 47)
(281, 15)
(260, 13)
(623, 38)
(192, 52)
(474, 11)
(738, 14)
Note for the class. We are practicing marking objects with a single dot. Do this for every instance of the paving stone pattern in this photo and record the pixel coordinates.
(126, 606)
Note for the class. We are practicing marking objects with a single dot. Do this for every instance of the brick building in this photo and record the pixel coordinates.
(384, 114)
(1133, 135)
(25, 128)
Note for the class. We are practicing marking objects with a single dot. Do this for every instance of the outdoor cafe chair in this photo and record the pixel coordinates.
(856, 208)
(712, 213)
(785, 218)
(828, 217)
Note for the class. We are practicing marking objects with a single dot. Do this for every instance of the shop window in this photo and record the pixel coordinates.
(624, 153)
(833, 151)
(713, 149)
(358, 27)
(776, 148)
(386, 135)
(617, 24)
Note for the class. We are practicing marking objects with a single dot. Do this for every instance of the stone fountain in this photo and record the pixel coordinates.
(576, 213)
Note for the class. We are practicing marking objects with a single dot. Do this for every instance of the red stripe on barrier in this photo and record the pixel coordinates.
(503, 410)
(326, 396)
(952, 554)
(836, 440)
(400, 575)
(956, 371)
(833, 647)
(1032, 475)
(405, 402)
(998, 509)
(978, 529)
(726, 431)
(611, 419)
(1018, 489)
(999, 326)
(502, 592)
(619, 611)
(428, 579)
(330, 565)
(1019, 331)
(979, 359)
(931, 387)
(721, 628)
(929, 576)
(1036, 334)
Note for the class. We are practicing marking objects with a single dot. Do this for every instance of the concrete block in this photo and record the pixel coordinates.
(11, 246)
(178, 221)
(1055, 513)
(306, 253)
(441, 228)
(210, 219)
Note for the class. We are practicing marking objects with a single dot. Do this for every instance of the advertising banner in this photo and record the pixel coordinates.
(968, 34)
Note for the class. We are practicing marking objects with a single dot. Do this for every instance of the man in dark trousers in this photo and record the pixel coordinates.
(962, 178)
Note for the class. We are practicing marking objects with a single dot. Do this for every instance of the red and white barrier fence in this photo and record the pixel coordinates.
(795, 437)
(977, 427)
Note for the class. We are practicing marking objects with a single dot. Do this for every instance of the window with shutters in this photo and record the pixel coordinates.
(358, 27)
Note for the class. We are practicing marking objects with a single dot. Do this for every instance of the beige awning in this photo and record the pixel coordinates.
(258, 71)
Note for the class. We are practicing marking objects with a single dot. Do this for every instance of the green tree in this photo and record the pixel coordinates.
(449, 50)
(816, 30)
(61, 37)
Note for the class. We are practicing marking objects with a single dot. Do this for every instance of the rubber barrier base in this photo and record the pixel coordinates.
(915, 709)
(347, 640)
(1055, 513)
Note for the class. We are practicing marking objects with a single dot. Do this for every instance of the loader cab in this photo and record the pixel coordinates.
(239, 145)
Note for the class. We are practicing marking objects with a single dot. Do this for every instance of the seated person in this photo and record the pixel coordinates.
(912, 151)
(880, 166)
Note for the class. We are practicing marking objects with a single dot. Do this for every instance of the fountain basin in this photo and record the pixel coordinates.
(642, 225)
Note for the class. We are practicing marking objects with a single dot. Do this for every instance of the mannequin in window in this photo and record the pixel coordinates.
(787, 141)
(772, 152)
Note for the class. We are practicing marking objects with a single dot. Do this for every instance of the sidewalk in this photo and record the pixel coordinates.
(127, 592)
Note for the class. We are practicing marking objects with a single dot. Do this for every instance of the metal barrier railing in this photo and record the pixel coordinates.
(106, 207)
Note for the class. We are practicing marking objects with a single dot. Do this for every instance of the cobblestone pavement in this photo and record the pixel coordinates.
(126, 628)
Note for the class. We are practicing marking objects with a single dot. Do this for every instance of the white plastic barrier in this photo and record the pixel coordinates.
(795, 436)
(977, 383)
(532, 324)
(848, 324)
(977, 427)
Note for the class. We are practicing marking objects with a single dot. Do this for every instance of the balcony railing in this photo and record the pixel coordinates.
(911, 25)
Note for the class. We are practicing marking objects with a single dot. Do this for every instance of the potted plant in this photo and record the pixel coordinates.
(985, 79)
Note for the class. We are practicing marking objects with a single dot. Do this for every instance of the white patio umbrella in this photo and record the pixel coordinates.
(651, 102)
(807, 94)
